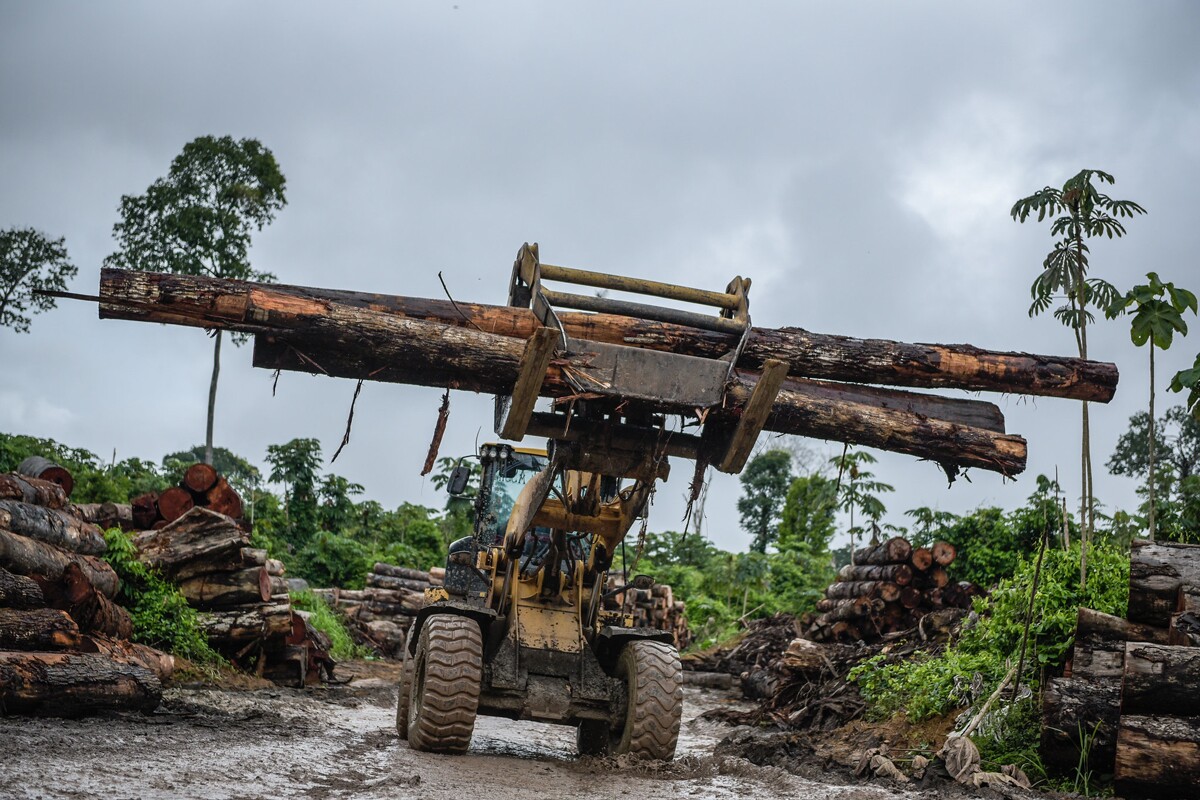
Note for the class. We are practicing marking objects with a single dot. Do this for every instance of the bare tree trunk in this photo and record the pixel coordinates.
(1152, 499)
(212, 399)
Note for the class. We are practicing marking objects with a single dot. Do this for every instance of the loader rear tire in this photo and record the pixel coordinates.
(404, 700)
(654, 684)
(446, 676)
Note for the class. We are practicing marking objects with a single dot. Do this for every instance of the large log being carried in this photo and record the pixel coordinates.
(480, 348)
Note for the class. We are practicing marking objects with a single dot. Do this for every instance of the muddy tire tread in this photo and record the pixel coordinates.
(655, 700)
(453, 654)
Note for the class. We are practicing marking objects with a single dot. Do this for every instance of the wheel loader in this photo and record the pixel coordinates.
(519, 628)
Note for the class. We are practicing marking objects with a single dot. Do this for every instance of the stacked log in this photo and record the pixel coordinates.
(242, 596)
(64, 648)
(200, 487)
(655, 608)
(887, 588)
(380, 615)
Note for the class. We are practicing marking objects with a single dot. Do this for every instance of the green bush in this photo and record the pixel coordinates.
(161, 616)
(324, 619)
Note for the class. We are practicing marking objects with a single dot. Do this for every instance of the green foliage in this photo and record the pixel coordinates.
(808, 520)
(95, 482)
(241, 474)
(326, 620)
(296, 466)
(30, 262)
(859, 491)
(161, 616)
(331, 559)
(765, 482)
(927, 686)
(1157, 311)
(1189, 379)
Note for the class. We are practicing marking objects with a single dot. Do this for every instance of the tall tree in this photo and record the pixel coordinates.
(858, 490)
(765, 483)
(29, 263)
(809, 511)
(198, 221)
(1158, 310)
(295, 465)
(1085, 213)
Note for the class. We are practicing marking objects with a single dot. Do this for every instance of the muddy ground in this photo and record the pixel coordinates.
(340, 742)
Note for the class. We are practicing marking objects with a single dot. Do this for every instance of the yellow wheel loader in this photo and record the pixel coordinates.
(519, 628)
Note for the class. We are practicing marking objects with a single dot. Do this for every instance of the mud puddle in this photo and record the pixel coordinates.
(340, 742)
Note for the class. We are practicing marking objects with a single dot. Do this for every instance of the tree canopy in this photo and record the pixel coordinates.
(30, 262)
(765, 484)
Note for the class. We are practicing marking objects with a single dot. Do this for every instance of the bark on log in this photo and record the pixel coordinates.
(884, 590)
(227, 589)
(437, 575)
(199, 536)
(18, 591)
(199, 478)
(398, 597)
(708, 680)
(1109, 628)
(105, 515)
(1071, 706)
(26, 556)
(38, 629)
(46, 470)
(227, 561)
(1161, 679)
(207, 302)
(1185, 629)
(239, 626)
(850, 611)
(145, 510)
(400, 572)
(90, 609)
(1097, 660)
(387, 582)
(35, 491)
(894, 551)
(1158, 756)
(160, 663)
(72, 684)
(1157, 572)
(899, 574)
(52, 527)
(944, 553)
(411, 351)
(174, 503)
(274, 567)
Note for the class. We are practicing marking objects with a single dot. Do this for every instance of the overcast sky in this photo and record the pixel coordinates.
(857, 160)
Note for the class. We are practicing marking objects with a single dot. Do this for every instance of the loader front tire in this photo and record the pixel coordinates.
(404, 700)
(446, 676)
(654, 684)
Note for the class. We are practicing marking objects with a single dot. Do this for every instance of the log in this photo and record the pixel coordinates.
(160, 663)
(884, 590)
(1109, 628)
(174, 503)
(944, 553)
(72, 684)
(18, 591)
(105, 515)
(199, 478)
(52, 527)
(346, 341)
(437, 575)
(899, 574)
(935, 577)
(921, 559)
(90, 609)
(226, 561)
(1157, 572)
(227, 589)
(708, 680)
(803, 655)
(237, 305)
(46, 470)
(223, 499)
(38, 629)
(201, 535)
(35, 491)
(288, 667)
(1185, 629)
(894, 551)
(400, 572)
(1093, 659)
(236, 627)
(398, 597)
(26, 556)
(274, 567)
(1158, 756)
(1161, 679)
(1072, 705)
(387, 582)
(144, 509)
(849, 611)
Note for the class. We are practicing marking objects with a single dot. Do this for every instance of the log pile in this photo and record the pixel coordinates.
(380, 615)
(64, 642)
(200, 487)
(474, 347)
(1131, 685)
(887, 588)
(655, 607)
(242, 596)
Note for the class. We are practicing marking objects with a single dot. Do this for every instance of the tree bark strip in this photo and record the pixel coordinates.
(26, 556)
(213, 303)
(52, 527)
(72, 684)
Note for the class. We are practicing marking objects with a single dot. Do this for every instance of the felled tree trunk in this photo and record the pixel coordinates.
(1158, 756)
(400, 572)
(71, 684)
(37, 629)
(105, 515)
(1073, 708)
(899, 574)
(34, 491)
(90, 608)
(387, 582)
(200, 477)
(882, 589)
(894, 551)
(1157, 573)
(1161, 679)
(46, 470)
(236, 627)
(174, 503)
(52, 527)
(160, 663)
(226, 589)
(18, 591)
(26, 556)
(200, 536)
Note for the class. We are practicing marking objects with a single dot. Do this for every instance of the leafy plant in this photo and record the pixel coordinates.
(30, 262)
(1189, 379)
(765, 482)
(326, 620)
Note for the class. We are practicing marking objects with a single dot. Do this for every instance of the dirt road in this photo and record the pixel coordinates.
(341, 742)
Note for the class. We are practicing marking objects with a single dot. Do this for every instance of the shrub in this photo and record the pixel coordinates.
(324, 619)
